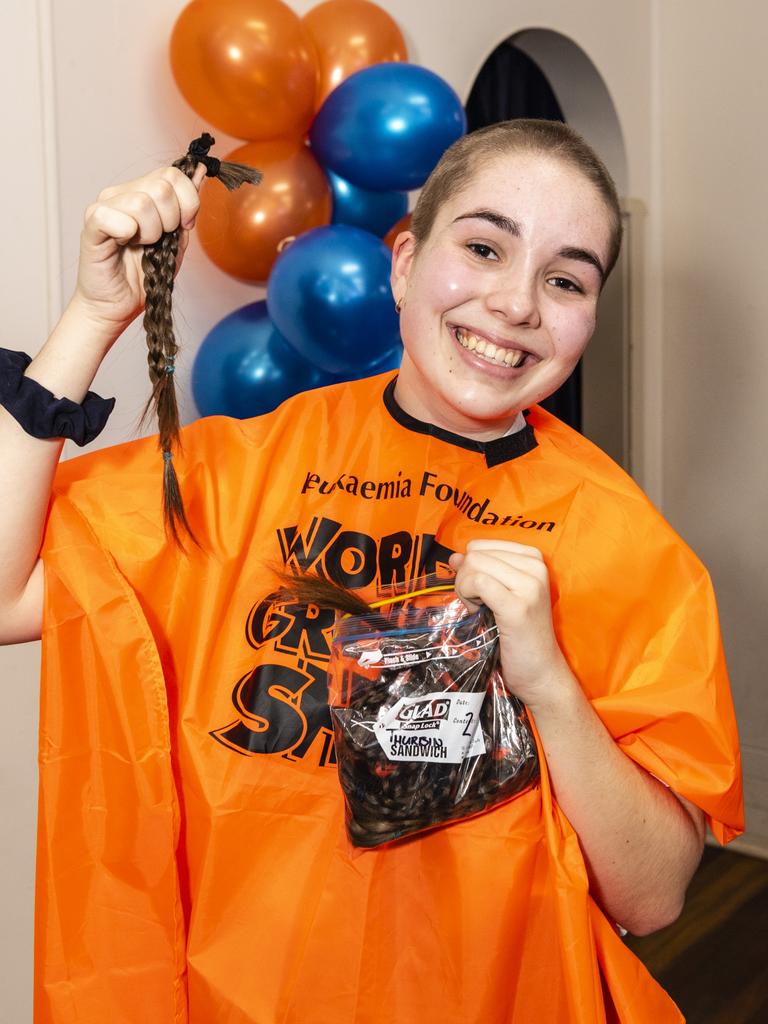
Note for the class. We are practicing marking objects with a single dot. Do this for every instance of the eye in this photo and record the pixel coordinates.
(566, 285)
(483, 250)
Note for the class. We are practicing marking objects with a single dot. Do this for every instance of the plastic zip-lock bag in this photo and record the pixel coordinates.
(426, 732)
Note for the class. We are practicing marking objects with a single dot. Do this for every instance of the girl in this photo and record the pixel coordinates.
(203, 872)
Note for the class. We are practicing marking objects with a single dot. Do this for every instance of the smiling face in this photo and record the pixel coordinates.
(499, 301)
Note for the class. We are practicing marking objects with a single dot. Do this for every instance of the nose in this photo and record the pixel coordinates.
(513, 296)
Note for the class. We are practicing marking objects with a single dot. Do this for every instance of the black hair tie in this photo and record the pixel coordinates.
(230, 174)
(199, 148)
(40, 413)
(212, 165)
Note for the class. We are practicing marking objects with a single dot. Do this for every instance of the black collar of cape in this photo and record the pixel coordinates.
(501, 449)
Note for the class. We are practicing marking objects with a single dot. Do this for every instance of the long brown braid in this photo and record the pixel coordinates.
(159, 266)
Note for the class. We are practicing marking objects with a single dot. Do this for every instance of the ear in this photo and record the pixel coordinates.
(403, 252)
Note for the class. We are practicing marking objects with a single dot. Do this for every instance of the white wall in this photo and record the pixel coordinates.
(26, 308)
(714, 375)
(111, 108)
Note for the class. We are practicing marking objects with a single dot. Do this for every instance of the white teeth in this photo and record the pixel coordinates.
(493, 353)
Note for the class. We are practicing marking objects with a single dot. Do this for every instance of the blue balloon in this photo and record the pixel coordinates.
(385, 127)
(245, 368)
(376, 212)
(329, 296)
(391, 361)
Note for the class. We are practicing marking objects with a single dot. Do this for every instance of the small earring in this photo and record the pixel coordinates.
(399, 306)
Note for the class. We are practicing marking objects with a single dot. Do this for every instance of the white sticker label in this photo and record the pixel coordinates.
(443, 727)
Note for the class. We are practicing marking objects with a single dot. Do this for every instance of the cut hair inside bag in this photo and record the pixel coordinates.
(426, 732)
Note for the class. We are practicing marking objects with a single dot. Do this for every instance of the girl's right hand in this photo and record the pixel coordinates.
(118, 225)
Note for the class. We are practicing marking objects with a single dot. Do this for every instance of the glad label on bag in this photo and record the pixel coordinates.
(442, 727)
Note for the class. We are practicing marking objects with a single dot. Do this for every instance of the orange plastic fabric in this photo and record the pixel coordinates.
(193, 864)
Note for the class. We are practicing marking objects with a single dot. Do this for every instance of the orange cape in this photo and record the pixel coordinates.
(192, 859)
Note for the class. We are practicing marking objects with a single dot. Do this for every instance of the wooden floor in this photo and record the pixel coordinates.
(714, 960)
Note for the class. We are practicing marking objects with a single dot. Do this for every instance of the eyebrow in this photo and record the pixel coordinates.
(584, 255)
(568, 252)
(497, 219)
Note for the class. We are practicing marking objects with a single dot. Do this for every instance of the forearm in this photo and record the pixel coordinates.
(640, 844)
(109, 294)
(66, 365)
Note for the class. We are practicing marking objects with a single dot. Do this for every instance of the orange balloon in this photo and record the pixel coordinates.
(247, 67)
(241, 231)
(404, 224)
(350, 35)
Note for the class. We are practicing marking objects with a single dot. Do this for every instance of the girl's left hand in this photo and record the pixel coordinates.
(512, 580)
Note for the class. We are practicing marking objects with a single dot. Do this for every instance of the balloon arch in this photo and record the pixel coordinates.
(342, 128)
